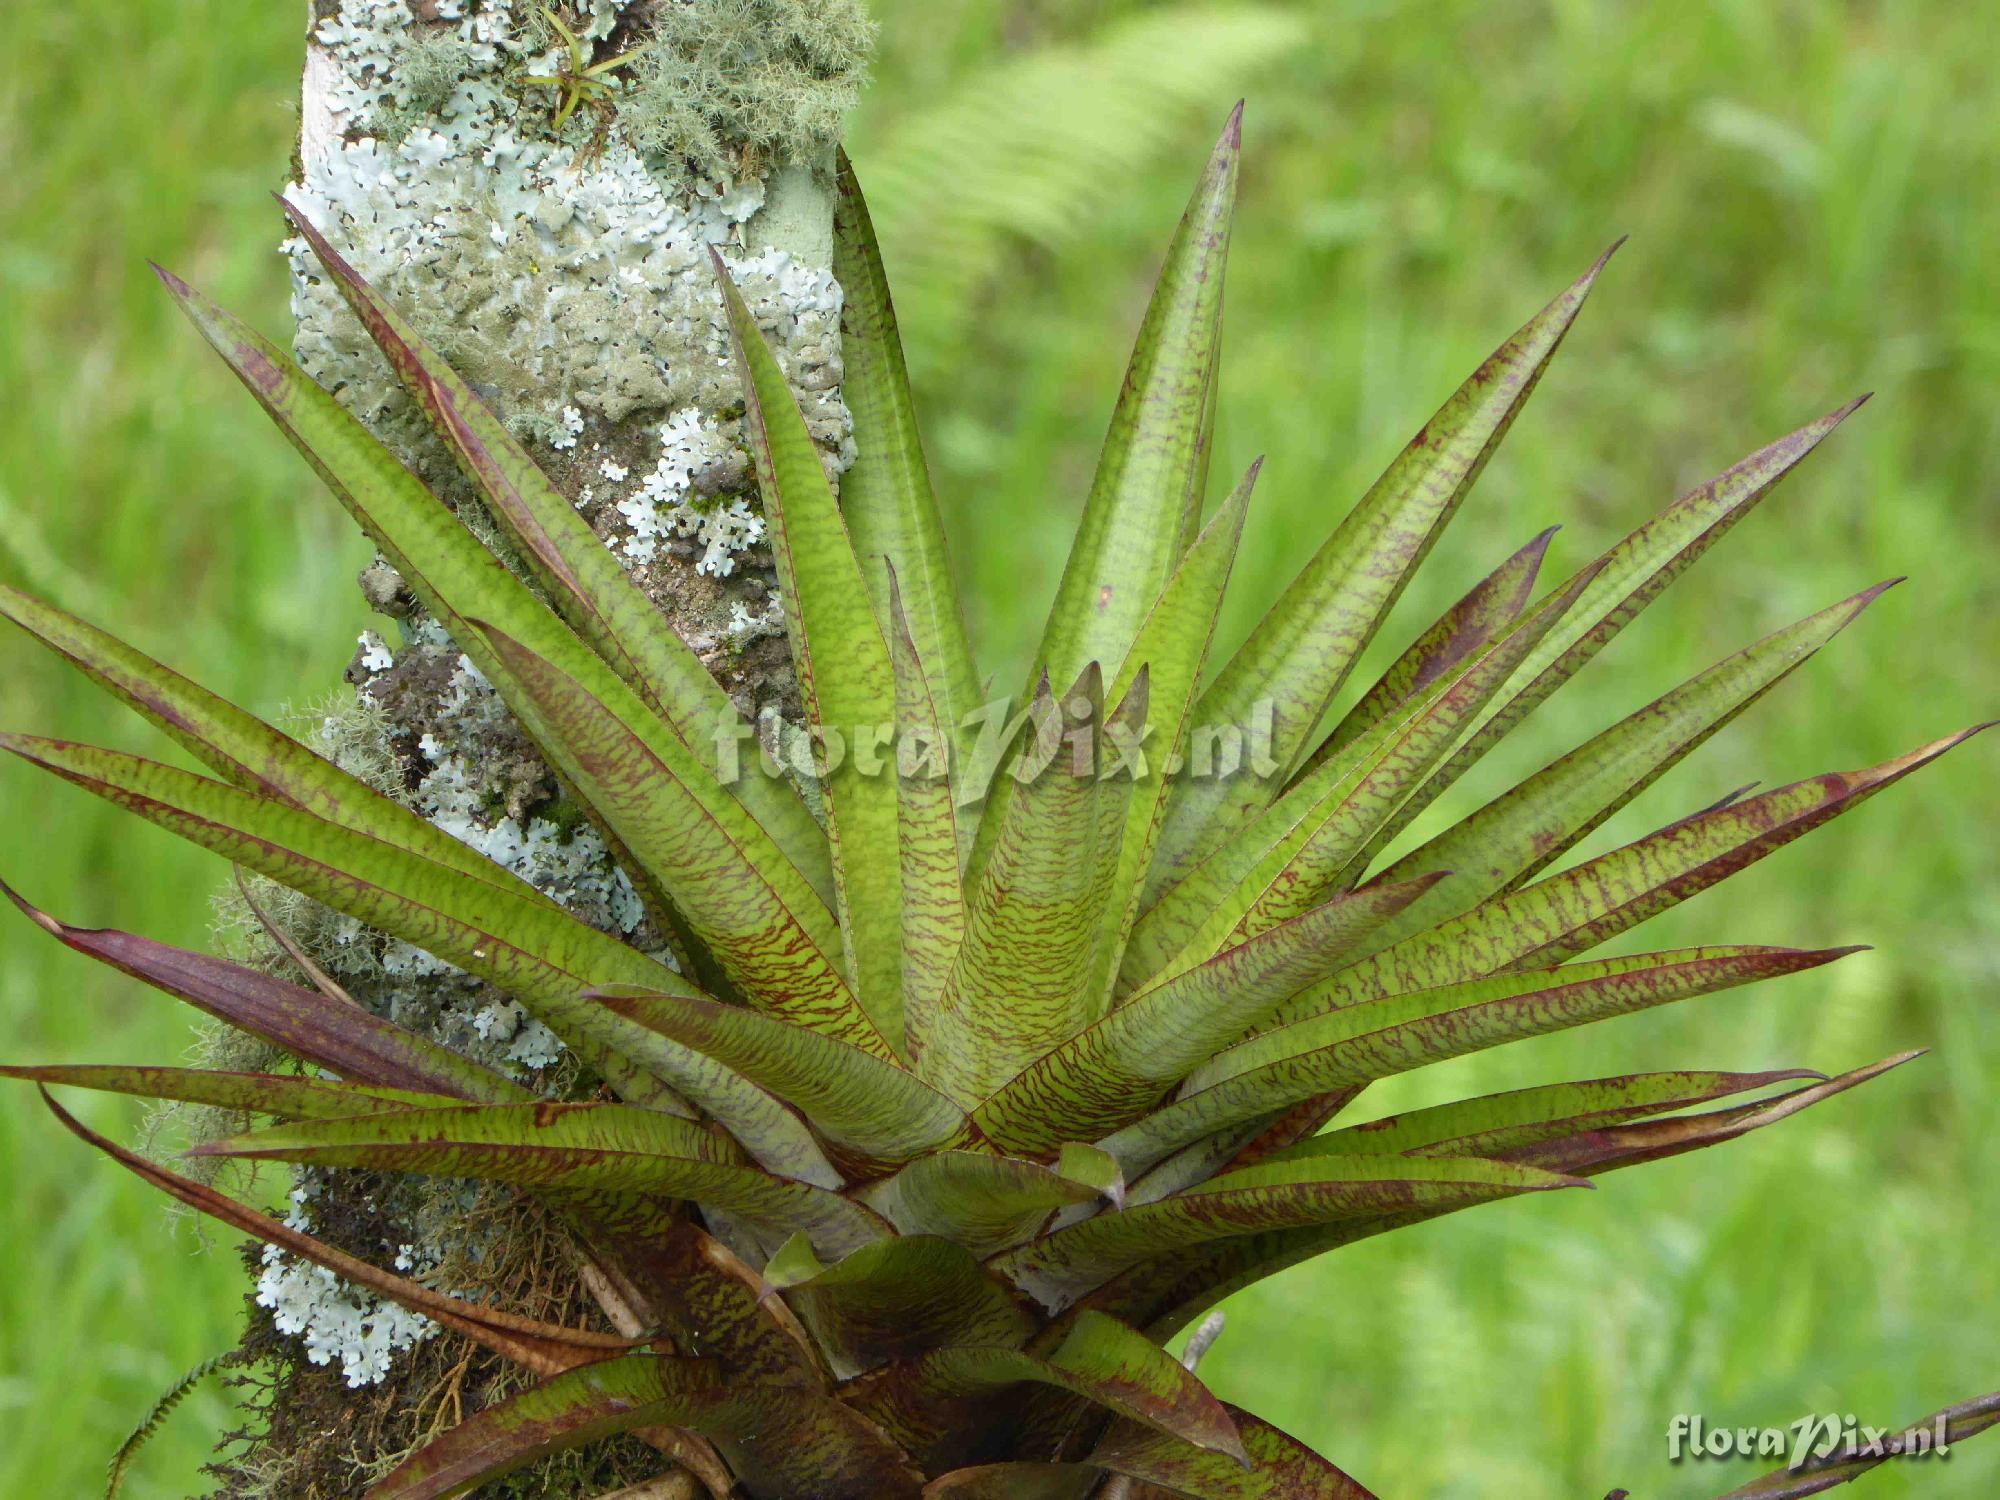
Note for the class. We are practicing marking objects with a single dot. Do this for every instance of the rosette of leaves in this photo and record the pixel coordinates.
(975, 1079)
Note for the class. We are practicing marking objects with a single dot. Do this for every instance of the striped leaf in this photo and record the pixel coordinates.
(1567, 913)
(1301, 652)
(1019, 985)
(540, 955)
(241, 748)
(853, 1097)
(1364, 791)
(1105, 1076)
(767, 929)
(579, 1148)
(843, 667)
(981, 1201)
(779, 1441)
(1359, 1043)
(1461, 632)
(1060, 1267)
(589, 587)
(927, 830)
(285, 1096)
(1496, 1123)
(1522, 831)
(1627, 578)
(886, 495)
(540, 1347)
(1128, 540)
(1278, 1466)
(1172, 647)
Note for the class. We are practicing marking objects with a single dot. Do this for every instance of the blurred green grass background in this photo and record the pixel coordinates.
(1813, 197)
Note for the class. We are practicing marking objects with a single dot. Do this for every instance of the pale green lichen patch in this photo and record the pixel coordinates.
(751, 82)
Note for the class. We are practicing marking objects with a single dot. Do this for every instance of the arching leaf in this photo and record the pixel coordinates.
(354, 1043)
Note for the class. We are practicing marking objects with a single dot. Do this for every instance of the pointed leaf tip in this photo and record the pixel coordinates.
(40, 918)
(1232, 132)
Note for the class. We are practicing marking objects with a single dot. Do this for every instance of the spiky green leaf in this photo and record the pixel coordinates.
(1356, 1044)
(1034, 914)
(1127, 542)
(1061, 1266)
(842, 660)
(539, 954)
(770, 933)
(1301, 652)
(854, 1098)
(981, 1201)
(1104, 1076)
(580, 1148)
(1460, 633)
(590, 588)
(886, 496)
(279, 1094)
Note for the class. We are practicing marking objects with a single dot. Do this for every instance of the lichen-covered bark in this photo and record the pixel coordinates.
(563, 269)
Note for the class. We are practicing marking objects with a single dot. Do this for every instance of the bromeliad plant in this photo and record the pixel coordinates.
(990, 1082)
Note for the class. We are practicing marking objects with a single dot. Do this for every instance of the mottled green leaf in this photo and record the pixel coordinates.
(1127, 542)
(1340, 811)
(920, 1402)
(1494, 1123)
(1627, 578)
(1460, 633)
(1299, 655)
(1279, 1467)
(283, 1095)
(590, 588)
(242, 748)
(1522, 831)
(780, 1442)
(1356, 1044)
(978, 1200)
(1019, 985)
(1591, 1152)
(349, 1041)
(853, 1097)
(1061, 1266)
(927, 828)
(1106, 1075)
(1172, 646)
(541, 1347)
(577, 1407)
(842, 660)
(579, 1148)
(1564, 914)
(898, 1298)
(886, 495)
(1164, 1295)
(767, 929)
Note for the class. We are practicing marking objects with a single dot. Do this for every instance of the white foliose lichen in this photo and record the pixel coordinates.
(336, 1320)
(563, 275)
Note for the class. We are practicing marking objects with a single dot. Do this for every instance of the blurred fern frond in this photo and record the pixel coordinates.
(1020, 151)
